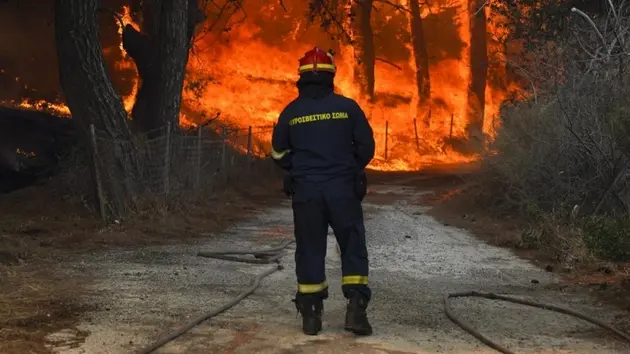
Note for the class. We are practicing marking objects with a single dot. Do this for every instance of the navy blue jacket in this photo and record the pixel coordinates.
(322, 137)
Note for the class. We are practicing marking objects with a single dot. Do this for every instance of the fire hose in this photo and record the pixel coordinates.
(267, 256)
(273, 255)
(485, 340)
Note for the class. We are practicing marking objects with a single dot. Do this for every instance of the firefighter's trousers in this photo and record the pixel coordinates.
(315, 207)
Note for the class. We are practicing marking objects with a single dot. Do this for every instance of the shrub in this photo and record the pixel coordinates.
(564, 152)
(608, 238)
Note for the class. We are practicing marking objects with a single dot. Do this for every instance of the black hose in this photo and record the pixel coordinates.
(468, 328)
(268, 256)
(261, 257)
(273, 255)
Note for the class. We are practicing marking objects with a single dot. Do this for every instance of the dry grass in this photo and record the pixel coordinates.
(42, 224)
(560, 160)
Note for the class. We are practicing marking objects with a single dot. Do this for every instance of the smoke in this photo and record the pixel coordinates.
(28, 57)
(27, 52)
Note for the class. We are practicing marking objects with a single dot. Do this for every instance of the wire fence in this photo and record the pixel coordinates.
(172, 162)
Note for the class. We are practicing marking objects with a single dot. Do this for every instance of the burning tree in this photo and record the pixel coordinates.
(160, 50)
(351, 21)
(478, 69)
(89, 92)
(359, 29)
(161, 56)
(400, 60)
(421, 57)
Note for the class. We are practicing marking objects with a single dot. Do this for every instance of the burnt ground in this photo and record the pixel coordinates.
(35, 300)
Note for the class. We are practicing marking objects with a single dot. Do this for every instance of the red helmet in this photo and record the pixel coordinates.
(317, 60)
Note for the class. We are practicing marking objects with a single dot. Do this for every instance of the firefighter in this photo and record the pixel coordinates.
(324, 142)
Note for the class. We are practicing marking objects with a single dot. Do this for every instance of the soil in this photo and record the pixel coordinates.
(42, 226)
(145, 293)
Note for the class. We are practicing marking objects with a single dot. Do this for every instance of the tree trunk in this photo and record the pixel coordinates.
(421, 56)
(89, 93)
(170, 48)
(83, 77)
(478, 70)
(160, 52)
(362, 39)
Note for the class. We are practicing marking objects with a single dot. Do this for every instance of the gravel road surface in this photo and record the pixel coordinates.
(139, 294)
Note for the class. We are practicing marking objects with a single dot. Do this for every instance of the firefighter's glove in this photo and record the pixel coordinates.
(360, 185)
(287, 186)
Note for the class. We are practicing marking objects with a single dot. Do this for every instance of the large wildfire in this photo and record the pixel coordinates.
(248, 74)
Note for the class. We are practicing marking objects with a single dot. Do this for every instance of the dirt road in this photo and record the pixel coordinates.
(142, 293)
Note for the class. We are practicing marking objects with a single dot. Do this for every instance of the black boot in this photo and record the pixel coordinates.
(311, 308)
(356, 316)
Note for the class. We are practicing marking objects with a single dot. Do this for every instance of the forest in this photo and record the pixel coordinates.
(130, 123)
(522, 87)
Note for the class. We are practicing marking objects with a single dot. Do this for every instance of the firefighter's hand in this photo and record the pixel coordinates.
(287, 186)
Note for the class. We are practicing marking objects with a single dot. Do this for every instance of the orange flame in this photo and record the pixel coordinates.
(127, 62)
(41, 105)
(250, 78)
(62, 109)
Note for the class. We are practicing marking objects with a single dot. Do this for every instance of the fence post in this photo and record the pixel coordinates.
(223, 149)
(97, 175)
(386, 137)
(415, 128)
(450, 134)
(249, 148)
(198, 180)
(167, 159)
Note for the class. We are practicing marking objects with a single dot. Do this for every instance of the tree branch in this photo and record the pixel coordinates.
(480, 8)
(588, 19)
(318, 5)
(394, 5)
(389, 62)
(113, 13)
(282, 5)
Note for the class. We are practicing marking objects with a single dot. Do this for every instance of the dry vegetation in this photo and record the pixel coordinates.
(555, 184)
(561, 158)
(35, 299)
